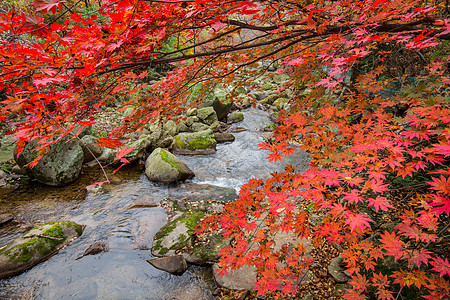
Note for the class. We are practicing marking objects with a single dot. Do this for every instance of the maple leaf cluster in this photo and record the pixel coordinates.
(378, 187)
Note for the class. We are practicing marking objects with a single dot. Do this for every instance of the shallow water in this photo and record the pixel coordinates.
(122, 272)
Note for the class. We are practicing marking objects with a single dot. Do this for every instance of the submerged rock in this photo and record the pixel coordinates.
(58, 167)
(201, 142)
(35, 246)
(175, 264)
(163, 166)
(95, 248)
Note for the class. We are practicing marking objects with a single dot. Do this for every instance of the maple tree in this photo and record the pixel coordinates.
(378, 185)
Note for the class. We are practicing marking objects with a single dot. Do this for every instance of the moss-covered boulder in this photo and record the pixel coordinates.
(177, 237)
(163, 166)
(201, 142)
(35, 246)
(58, 167)
(235, 117)
(171, 127)
(207, 115)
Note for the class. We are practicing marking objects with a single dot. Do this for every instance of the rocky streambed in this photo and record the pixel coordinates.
(108, 261)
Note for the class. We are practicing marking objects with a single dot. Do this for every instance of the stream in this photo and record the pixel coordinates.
(122, 272)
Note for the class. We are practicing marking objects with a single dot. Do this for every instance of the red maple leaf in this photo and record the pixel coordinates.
(359, 220)
(47, 5)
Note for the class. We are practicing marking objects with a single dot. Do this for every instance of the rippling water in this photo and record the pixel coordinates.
(122, 272)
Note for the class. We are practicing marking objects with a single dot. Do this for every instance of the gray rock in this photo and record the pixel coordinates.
(222, 108)
(35, 246)
(175, 264)
(18, 170)
(139, 148)
(165, 142)
(336, 270)
(191, 120)
(2, 174)
(191, 112)
(144, 201)
(243, 278)
(182, 127)
(201, 142)
(177, 237)
(107, 156)
(207, 115)
(96, 248)
(6, 218)
(270, 99)
(280, 103)
(280, 78)
(223, 137)
(163, 166)
(197, 126)
(171, 128)
(235, 117)
(90, 150)
(60, 166)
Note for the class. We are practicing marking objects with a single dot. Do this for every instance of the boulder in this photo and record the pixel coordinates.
(191, 112)
(171, 128)
(163, 166)
(222, 108)
(235, 117)
(139, 148)
(175, 264)
(36, 246)
(243, 278)
(280, 103)
(191, 120)
(177, 237)
(336, 269)
(223, 137)
(197, 126)
(207, 115)
(201, 142)
(90, 150)
(58, 167)
(280, 78)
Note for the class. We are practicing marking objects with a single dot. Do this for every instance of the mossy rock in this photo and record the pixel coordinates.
(201, 142)
(35, 246)
(235, 117)
(207, 115)
(177, 237)
(58, 167)
(163, 166)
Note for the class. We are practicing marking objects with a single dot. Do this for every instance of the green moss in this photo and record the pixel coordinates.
(190, 219)
(202, 142)
(163, 251)
(165, 157)
(41, 245)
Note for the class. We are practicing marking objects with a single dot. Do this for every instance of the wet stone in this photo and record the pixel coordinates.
(175, 264)
(144, 201)
(6, 218)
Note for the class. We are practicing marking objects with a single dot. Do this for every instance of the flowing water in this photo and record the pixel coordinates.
(122, 272)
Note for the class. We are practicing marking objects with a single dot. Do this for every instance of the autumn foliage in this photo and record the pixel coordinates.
(370, 87)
